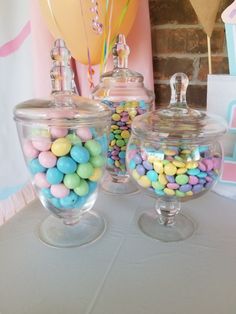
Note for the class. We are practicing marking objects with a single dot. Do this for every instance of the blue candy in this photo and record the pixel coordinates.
(69, 201)
(193, 172)
(152, 175)
(202, 175)
(56, 202)
(54, 176)
(132, 164)
(92, 186)
(159, 193)
(66, 164)
(185, 188)
(35, 166)
(80, 154)
(46, 193)
(122, 154)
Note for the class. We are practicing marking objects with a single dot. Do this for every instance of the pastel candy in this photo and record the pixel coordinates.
(36, 167)
(42, 144)
(61, 146)
(54, 176)
(170, 169)
(193, 180)
(144, 181)
(41, 181)
(85, 170)
(152, 175)
(84, 133)
(66, 165)
(181, 179)
(197, 188)
(29, 150)
(80, 154)
(71, 180)
(58, 132)
(173, 186)
(185, 188)
(59, 190)
(140, 169)
(47, 159)
(82, 189)
(93, 147)
(69, 201)
(97, 174)
(193, 172)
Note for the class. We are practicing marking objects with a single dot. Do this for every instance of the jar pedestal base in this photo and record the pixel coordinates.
(54, 232)
(151, 224)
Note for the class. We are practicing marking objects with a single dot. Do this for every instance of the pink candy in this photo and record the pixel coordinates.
(85, 134)
(193, 180)
(42, 144)
(29, 150)
(41, 181)
(59, 190)
(47, 159)
(57, 132)
(208, 163)
(173, 186)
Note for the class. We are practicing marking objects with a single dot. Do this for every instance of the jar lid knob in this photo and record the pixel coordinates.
(62, 76)
(179, 84)
(120, 52)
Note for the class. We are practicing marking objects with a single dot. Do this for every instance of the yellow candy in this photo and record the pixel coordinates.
(134, 104)
(189, 193)
(123, 147)
(115, 117)
(162, 179)
(135, 175)
(178, 164)
(144, 182)
(152, 159)
(185, 151)
(169, 152)
(119, 109)
(182, 170)
(125, 134)
(158, 167)
(170, 169)
(169, 192)
(61, 146)
(117, 163)
(114, 127)
(191, 164)
(97, 174)
(113, 142)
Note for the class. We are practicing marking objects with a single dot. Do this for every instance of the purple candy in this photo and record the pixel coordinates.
(201, 166)
(115, 157)
(208, 185)
(170, 179)
(140, 169)
(185, 188)
(197, 188)
(209, 179)
(147, 165)
(137, 158)
(122, 161)
(124, 128)
(125, 119)
(202, 181)
(115, 152)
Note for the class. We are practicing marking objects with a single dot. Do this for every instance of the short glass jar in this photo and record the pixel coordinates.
(64, 141)
(174, 155)
(124, 92)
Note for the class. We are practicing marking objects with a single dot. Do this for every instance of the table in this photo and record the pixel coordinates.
(123, 272)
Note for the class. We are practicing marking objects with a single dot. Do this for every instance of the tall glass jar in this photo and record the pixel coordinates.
(124, 92)
(64, 141)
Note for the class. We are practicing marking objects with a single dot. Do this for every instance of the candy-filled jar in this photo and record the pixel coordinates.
(124, 92)
(64, 141)
(174, 155)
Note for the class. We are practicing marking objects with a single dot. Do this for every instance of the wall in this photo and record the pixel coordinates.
(180, 45)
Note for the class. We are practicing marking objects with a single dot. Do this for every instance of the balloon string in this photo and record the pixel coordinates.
(108, 36)
(122, 17)
(90, 69)
(104, 45)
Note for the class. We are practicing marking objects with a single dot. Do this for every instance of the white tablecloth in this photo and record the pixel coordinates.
(124, 272)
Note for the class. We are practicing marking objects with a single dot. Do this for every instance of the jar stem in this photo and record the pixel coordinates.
(167, 211)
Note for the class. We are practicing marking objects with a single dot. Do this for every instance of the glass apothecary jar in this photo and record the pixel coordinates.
(124, 92)
(174, 155)
(64, 141)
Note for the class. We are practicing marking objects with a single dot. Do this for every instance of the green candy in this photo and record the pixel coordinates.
(82, 189)
(85, 170)
(157, 185)
(179, 193)
(74, 139)
(93, 147)
(181, 179)
(97, 161)
(120, 143)
(71, 180)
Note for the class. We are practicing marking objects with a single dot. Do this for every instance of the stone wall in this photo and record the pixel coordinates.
(180, 45)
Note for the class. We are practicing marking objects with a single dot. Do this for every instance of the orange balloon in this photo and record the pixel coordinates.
(72, 21)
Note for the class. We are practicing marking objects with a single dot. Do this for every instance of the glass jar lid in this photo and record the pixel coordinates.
(64, 109)
(178, 122)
